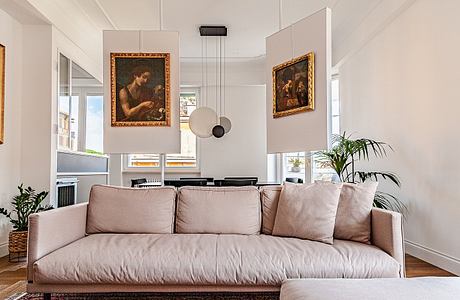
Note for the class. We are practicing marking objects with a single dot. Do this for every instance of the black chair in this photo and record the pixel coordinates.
(136, 182)
(234, 182)
(294, 180)
(252, 178)
(208, 179)
(187, 182)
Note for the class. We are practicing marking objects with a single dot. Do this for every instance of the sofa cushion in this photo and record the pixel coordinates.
(208, 259)
(353, 221)
(307, 211)
(218, 210)
(269, 196)
(128, 210)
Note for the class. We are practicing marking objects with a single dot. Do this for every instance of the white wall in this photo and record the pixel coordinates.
(36, 130)
(10, 155)
(402, 88)
(243, 151)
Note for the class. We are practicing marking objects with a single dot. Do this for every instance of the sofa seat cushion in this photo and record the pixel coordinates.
(207, 259)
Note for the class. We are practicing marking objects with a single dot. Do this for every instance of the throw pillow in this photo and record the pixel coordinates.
(308, 211)
(353, 221)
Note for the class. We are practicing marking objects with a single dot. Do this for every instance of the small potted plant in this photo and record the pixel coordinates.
(24, 204)
(296, 163)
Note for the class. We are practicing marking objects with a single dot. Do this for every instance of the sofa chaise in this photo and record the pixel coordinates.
(194, 239)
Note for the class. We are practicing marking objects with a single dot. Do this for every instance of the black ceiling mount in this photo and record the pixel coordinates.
(206, 30)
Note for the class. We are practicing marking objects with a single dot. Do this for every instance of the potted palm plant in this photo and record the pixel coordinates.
(24, 204)
(342, 158)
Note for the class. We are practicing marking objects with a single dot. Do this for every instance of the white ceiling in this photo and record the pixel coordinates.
(248, 21)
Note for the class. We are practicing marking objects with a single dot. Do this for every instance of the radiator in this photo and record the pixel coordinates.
(66, 191)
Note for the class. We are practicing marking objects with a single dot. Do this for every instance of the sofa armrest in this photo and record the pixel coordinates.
(387, 234)
(53, 229)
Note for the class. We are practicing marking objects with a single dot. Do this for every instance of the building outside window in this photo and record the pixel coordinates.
(187, 159)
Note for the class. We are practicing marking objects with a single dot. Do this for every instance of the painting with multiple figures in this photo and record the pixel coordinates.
(293, 86)
(140, 84)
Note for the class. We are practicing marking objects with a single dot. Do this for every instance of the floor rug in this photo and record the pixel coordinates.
(157, 296)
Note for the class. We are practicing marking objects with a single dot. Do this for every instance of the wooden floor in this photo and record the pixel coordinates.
(13, 275)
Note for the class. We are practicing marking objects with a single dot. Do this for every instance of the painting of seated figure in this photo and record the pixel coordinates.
(140, 89)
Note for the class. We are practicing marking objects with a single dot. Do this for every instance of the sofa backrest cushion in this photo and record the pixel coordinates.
(130, 210)
(269, 196)
(353, 221)
(307, 211)
(231, 210)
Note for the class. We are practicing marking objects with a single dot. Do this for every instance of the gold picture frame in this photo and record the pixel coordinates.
(294, 86)
(2, 93)
(140, 89)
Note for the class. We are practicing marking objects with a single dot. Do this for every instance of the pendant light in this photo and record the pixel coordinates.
(204, 121)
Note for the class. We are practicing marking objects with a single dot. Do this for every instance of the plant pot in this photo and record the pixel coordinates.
(17, 242)
(295, 169)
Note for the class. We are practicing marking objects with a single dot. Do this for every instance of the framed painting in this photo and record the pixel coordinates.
(2, 92)
(140, 87)
(294, 86)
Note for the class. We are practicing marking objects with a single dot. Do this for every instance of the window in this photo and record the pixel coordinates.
(94, 124)
(319, 170)
(80, 120)
(335, 107)
(294, 165)
(188, 156)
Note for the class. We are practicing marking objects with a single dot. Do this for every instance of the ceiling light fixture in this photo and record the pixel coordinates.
(204, 121)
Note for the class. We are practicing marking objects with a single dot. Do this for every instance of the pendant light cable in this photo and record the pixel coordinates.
(225, 75)
(202, 71)
(216, 77)
(206, 65)
(220, 77)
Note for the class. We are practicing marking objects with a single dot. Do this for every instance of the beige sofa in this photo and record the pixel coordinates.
(195, 239)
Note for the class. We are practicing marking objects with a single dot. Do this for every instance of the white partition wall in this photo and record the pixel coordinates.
(308, 130)
(142, 139)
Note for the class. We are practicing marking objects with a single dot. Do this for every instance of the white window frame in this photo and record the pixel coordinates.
(196, 169)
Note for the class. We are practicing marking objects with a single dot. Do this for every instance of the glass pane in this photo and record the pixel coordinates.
(94, 125)
(294, 165)
(321, 171)
(143, 160)
(64, 80)
(187, 157)
(74, 123)
(64, 104)
(336, 124)
(64, 123)
(335, 89)
(335, 108)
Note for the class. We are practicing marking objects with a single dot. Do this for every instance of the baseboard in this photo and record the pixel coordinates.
(434, 257)
(4, 249)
